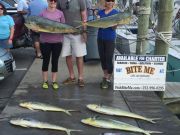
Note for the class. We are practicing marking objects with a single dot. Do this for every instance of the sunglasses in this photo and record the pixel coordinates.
(110, 0)
(53, 0)
(1, 8)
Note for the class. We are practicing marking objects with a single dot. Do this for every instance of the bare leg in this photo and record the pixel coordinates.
(105, 74)
(109, 76)
(54, 76)
(70, 66)
(37, 48)
(45, 76)
(80, 67)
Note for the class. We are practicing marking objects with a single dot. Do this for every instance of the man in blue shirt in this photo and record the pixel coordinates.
(35, 8)
(23, 7)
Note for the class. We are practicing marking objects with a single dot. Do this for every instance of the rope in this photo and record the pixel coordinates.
(144, 11)
(175, 70)
(164, 36)
(142, 37)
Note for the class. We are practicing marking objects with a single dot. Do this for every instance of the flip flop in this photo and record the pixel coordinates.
(39, 57)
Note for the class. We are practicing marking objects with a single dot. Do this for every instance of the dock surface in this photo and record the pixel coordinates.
(72, 97)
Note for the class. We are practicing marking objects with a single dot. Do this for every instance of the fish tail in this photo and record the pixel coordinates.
(68, 131)
(152, 120)
(152, 132)
(67, 112)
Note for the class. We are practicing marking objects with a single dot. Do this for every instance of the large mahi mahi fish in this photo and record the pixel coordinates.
(118, 112)
(114, 124)
(110, 21)
(41, 24)
(37, 124)
(44, 107)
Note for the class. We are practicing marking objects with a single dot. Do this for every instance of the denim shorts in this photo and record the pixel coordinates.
(4, 44)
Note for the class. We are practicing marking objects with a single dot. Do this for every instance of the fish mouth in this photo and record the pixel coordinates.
(14, 121)
(84, 121)
(92, 106)
(22, 105)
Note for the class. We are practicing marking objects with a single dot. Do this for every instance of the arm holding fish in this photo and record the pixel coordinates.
(84, 27)
(62, 19)
(115, 26)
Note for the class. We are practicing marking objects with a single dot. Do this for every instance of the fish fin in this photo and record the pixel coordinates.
(68, 111)
(68, 131)
(30, 108)
(152, 132)
(96, 116)
(24, 126)
(152, 120)
(73, 110)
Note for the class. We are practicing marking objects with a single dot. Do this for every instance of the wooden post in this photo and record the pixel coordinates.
(131, 6)
(164, 29)
(165, 17)
(143, 24)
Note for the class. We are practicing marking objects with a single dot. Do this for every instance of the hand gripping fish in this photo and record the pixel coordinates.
(113, 124)
(118, 112)
(41, 24)
(37, 124)
(44, 107)
(110, 21)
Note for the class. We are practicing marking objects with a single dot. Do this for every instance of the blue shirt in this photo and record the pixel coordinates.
(107, 33)
(6, 22)
(37, 6)
(22, 5)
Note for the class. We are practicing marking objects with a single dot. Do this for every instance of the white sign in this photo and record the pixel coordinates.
(140, 73)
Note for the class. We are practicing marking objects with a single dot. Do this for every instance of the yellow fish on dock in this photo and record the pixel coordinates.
(44, 107)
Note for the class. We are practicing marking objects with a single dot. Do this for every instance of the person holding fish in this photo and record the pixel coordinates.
(6, 29)
(51, 44)
(74, 44)
(106, 43)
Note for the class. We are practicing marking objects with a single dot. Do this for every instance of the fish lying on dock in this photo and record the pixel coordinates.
(110, 21)
(44, 107)
(118, 112)
(45, 25)
(113, 124)
(37, 124)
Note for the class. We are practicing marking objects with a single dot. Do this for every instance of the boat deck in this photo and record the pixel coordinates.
(147, 104)
(172, 90)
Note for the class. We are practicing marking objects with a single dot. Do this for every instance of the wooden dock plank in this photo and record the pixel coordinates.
(69, 97)
(153, 109)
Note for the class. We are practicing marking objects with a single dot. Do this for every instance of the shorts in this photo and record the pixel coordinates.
(35, 36)
(73, 45)
(4, 44)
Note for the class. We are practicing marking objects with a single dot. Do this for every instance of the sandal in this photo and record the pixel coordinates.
(39, 57)
(81, 83)
(69, 81)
